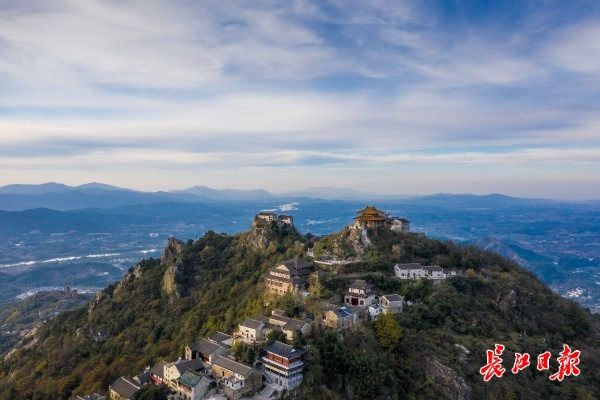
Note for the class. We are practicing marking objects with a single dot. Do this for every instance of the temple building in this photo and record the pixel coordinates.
(269, 216)
(370, 217)
(289, 276)
(283, 364)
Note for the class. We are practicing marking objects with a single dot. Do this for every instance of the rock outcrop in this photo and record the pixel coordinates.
(171, 260)
(447, 379)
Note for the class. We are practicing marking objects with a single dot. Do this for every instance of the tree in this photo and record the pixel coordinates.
(315, 287)
(298, 339)
(244, 353)
(276, 335)
(388, 331)
(152, 392)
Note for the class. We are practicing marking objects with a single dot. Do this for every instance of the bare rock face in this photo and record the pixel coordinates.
(447, 379)
(172, 251)
(171, 259)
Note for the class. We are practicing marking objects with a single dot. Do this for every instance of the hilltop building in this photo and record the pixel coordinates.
(174, 370)
(251, 331)
(283, 364)
(359, 294)
(391, 303)
(278, 321)
(266, 216)
(289, 276)
(123, 389)
(270, 216)
(157, 372)
(205, 350)
(339, 318)
(254, 330)
(369, 217)
(388, 304)
(193, 386)
(418, 271)
(399, 224)
(238, 379)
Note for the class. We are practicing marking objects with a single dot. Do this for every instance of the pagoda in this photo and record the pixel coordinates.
(370, 217)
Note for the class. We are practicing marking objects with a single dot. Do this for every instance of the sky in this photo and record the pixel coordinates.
(394, 97)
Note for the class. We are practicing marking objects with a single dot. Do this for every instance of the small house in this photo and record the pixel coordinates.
(286, 324)
(205, 350)
(359, 294)
(391, 303)
(399, 224)
(157, 372)
(175, 369)
(194, 386)
(251, 330)
(238, 379)
(340, 318)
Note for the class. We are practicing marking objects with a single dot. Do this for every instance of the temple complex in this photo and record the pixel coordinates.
(370, 217)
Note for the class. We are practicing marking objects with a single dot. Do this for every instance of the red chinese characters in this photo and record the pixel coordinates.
(543, 361)
(494, 364)
(567, 364)
(521, 362)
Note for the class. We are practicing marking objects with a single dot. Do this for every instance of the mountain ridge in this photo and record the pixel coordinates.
(58, 196)
(135, 322)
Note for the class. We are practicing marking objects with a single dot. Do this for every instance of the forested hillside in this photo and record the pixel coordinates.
(433, 349)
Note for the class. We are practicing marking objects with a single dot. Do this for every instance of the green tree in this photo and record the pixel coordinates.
(244, 353)
(276, 334)
(315, 287)
(388, 331)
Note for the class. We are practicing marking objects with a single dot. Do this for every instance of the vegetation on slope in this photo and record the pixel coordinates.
(434, 349)
(19, 319)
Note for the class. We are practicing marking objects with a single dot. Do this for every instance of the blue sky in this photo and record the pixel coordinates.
(388, 96)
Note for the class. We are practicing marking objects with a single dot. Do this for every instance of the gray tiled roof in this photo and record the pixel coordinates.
(124, 387)
(295, 264)
(219, 337)
(393, 297)
(251, 323)
(360, 284)
(159, 369)
(233, 366)
(205, 346)
(284, 350)
(192, 365)
(142, 378)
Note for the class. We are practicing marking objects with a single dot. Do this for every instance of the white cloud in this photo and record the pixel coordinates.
(227, 85)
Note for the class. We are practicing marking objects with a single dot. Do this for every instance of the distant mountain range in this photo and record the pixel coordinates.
(62, 197)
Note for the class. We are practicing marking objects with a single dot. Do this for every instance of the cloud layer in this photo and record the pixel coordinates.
(405, 97)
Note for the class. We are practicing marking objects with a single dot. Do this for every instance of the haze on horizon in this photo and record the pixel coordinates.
(412, 97)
